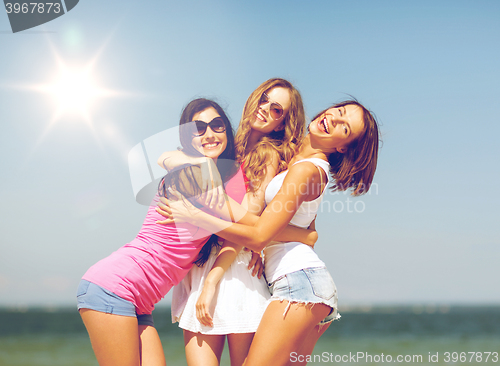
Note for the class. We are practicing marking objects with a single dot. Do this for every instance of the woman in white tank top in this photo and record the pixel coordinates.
(343, 138)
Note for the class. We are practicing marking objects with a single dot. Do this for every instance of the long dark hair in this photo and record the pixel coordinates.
(184, 180)
(355, 168)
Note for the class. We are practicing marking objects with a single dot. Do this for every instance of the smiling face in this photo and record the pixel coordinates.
(211, 144)
(338, 127)
(263, 120)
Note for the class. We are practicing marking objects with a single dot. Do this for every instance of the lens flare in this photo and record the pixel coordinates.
(74, 91)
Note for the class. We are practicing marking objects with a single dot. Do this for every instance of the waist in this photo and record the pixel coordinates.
(283, 258)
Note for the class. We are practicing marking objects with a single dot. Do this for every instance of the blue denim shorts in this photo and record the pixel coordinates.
(92, 296)
(308, 286)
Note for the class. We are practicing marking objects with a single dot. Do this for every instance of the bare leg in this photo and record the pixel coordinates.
(151, 349)
(114, 338)
(202, 349)
(277, 336)
(308, 344)
(239, 344)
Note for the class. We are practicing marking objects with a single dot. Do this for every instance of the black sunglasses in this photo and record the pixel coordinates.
(217, 125)
(275, 110)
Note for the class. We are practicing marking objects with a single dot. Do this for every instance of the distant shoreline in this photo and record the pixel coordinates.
(364, 309)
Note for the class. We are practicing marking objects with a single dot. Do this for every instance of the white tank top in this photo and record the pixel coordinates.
(282, 258)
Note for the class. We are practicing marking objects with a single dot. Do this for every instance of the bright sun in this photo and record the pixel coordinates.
(74, 91)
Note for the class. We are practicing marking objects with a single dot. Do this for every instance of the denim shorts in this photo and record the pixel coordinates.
(92, 296)
(309, 286)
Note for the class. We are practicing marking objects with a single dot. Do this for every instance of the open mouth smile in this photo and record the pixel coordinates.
(211, 145)
(324, 123)
(260, 117)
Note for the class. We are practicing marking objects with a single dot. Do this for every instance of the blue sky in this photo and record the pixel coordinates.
(428, 233)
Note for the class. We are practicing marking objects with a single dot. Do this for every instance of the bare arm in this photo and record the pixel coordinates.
(256, 233)
(226, 256)
(232, 212)
(230, 249)
(254, 203)
(211, 181)
(171, 160)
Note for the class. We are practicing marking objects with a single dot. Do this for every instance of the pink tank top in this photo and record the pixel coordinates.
(159, 257)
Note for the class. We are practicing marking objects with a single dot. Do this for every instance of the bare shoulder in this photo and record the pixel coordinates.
(303, 173)
(308, 174)
(305, 168)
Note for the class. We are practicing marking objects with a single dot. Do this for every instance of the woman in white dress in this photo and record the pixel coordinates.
(271, 126)
(343, 139)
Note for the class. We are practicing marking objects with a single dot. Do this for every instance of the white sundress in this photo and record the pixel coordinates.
(239, 302)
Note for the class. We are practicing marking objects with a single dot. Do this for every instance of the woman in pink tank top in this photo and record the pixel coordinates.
(117, 294)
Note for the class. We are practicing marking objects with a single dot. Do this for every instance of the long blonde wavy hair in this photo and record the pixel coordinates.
(283, 142)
